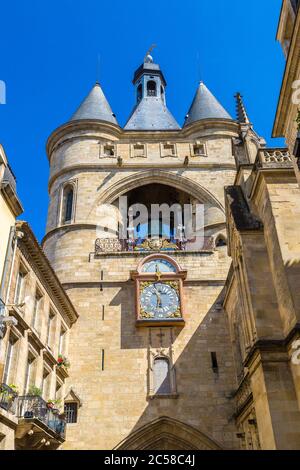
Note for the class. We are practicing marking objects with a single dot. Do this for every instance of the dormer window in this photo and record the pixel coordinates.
(151, 88)
(198, 150)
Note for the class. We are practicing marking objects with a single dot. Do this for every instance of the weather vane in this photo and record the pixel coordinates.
(148, 56)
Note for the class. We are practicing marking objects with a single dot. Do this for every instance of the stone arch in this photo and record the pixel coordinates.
(167, 434)
(167, 178)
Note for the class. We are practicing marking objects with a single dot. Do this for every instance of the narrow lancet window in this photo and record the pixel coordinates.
(68, 202)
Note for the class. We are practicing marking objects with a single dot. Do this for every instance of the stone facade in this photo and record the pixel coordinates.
(286, 124)
(110, 356)
(262, 299)
(223, 376)
(40, 316)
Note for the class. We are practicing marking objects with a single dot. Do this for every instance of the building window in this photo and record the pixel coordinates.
(50, 329)
(161, 375)
(139, 150)
(46, 383)
(10, 361)
(36, 311)
(58, 390)
(68, 204)
(62, 340)
(20, 285)
(168, 150)
(71, 411)
(30, 372)
(109, 150)
(151, 88)
(198, 150)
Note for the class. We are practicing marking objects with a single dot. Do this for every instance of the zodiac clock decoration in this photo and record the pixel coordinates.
(159, 292)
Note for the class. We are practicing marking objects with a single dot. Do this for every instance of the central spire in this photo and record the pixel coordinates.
(150, 111)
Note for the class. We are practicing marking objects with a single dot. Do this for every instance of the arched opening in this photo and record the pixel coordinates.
(151, 88)
(162, 93)
(139, 93)
(68, 202)
(221, 241)
(167, 433)
(164, 217)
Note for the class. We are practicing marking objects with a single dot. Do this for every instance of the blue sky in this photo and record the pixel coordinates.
(48, 59)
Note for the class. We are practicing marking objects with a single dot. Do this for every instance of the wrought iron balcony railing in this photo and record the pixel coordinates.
(114, 245)
(8, 398)
(32, 407)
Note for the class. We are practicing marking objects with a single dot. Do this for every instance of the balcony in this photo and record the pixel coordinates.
(273, 158)
(8, 399)
(40, 427)
(146, 245)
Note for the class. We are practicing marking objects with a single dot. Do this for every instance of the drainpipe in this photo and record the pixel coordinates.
(7, 261)
(14, 236)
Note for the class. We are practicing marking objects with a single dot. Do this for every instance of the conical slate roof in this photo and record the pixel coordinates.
(151, 114)
(95, 106)
(205, 106)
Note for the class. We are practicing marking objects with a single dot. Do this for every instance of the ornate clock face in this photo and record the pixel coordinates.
(160, 300)
(159, 265)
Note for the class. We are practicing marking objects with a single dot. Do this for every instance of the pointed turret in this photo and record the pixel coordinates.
(241, 113)
(150, 111)
(95, 106)
(205, 106)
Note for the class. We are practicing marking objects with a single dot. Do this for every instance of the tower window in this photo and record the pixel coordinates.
(68, 203)
(139, 150)
(139, 93)
(151, 88)
(161, 372)
(109, 150)
(198, 150)
(168, 150)
(214, 362)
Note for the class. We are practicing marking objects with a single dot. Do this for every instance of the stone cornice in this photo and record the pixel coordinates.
(11, 199)
(272, 346)
(224, 126)
(37, 258)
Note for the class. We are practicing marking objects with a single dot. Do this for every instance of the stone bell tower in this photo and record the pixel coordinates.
(151, 358)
